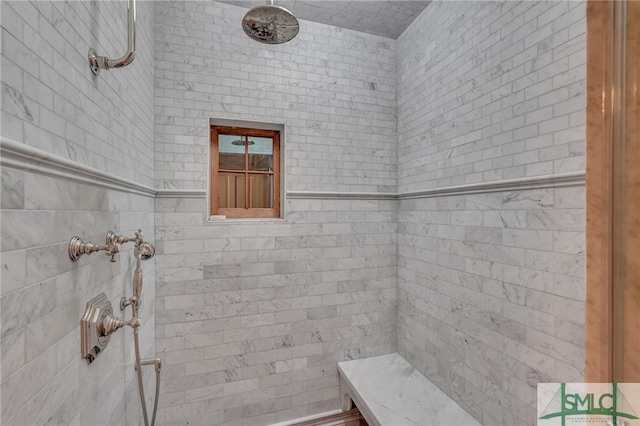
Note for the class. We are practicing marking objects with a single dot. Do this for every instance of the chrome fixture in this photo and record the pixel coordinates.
(98, 322)
(112, 245)
(142, 251)
(97, 325)
(96, 63)
(270, 24)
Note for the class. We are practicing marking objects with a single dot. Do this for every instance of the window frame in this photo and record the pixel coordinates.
(243, 213)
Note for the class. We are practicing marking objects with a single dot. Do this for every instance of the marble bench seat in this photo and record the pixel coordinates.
(388, 391)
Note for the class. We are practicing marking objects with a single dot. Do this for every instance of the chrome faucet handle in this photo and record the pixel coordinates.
(118, 239)
(111, 324)
(115, 240)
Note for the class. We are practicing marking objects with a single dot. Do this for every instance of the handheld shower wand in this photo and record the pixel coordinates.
(143, 251)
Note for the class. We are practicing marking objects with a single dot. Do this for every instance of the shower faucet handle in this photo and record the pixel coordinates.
(139, 239)
(111, 324)
(115, 240)
(113, 244)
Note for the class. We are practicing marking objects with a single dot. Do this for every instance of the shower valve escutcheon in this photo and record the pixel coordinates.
(97, 325)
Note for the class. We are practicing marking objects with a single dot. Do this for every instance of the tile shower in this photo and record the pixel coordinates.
(483, 292)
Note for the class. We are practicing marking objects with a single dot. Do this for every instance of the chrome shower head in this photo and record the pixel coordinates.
(145, 251)
(270, 24)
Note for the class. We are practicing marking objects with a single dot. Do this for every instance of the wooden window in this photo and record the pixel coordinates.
(245, 172)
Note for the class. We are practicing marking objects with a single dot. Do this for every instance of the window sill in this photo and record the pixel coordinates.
(222, 219)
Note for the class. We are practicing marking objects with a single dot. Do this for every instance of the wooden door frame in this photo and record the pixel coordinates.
(612, 327)
(599, 186)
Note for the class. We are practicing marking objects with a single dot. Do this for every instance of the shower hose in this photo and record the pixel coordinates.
(139, 364)
(136, 343)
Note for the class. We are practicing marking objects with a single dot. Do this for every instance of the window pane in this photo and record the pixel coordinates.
(231, 190)
(231, 152)
(261, 191)
(261, 154)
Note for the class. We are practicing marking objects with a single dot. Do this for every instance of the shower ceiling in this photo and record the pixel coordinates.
(385, 18)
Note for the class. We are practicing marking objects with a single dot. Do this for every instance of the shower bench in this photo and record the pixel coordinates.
(388, 391)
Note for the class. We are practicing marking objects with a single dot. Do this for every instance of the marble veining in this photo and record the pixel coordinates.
(389, 391)
(490, 265)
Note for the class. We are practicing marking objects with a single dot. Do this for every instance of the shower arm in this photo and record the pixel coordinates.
(96, 63)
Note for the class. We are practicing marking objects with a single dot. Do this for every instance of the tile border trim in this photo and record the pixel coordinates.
(23, 157)
(556, 180)
(19, 156)
(322, 195)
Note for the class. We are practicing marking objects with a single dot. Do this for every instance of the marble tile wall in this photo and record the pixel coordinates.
(491, 285)
(43, 296)
(253, 316)
(252, 319)
(332, 88)
(491, 296)
(490, 91)
(52, 102)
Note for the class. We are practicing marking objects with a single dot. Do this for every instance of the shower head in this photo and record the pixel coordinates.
(145, 251)
(270, 24)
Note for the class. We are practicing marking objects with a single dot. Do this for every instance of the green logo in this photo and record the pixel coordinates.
(565, 404)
